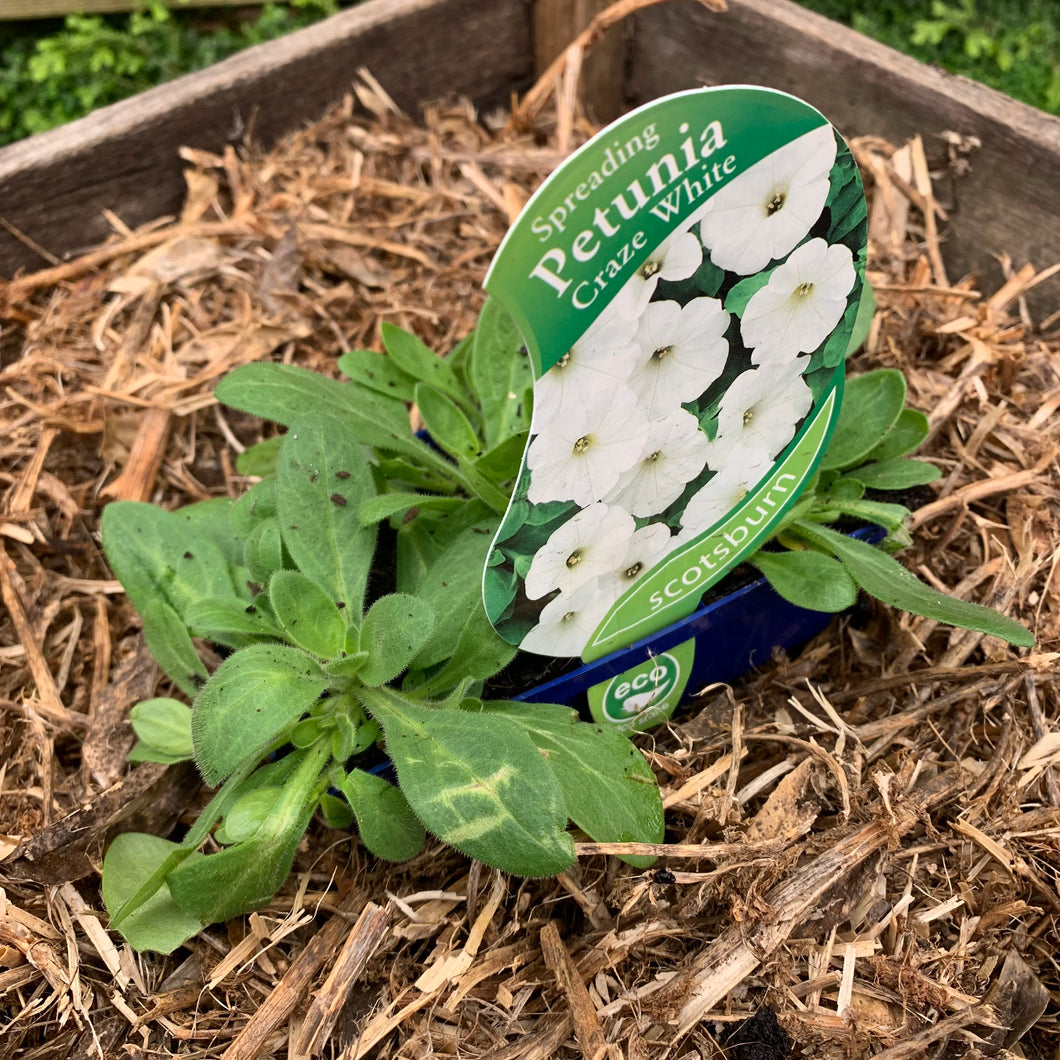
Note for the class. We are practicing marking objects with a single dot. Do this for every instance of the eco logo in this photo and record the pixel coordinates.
(647, 694)
(686, 285)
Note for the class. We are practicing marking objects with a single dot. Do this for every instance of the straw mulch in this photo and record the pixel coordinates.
(863, 842)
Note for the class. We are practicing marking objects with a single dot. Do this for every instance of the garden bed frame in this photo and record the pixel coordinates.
(56, 187)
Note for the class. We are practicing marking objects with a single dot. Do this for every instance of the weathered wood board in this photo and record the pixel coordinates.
(55, 187)
(22, 10)
(1007, 201)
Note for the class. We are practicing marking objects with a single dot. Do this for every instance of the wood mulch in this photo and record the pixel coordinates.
(863, 842)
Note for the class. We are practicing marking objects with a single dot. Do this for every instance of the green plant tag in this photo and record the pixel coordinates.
(686, 285)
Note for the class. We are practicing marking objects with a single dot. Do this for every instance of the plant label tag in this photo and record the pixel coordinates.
(686, 285)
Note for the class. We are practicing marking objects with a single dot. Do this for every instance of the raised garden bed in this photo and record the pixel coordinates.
(862, 839)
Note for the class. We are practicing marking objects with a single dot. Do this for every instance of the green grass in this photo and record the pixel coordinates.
(1013, 47)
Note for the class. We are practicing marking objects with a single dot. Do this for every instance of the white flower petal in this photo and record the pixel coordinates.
(716, 499)
(566, 623)
(801, 304)
(676, 258)
(674, 454)
(645, 549)
(763, 213)
(683, 351)
(579, 452)
(761, 411)
(587, 546)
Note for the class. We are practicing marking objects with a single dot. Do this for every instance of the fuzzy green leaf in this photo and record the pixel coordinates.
(249, 812)
(886, 579)
(608, 786)
(252, 697)
(871, 405)
(307, 613)
(394, 630)
(808, 579)
(378, 372)
(499, 371)
(447, 425)
(480, 652)
(170, 643)
(219, 617)
(260, 459)
(159, 924)
(897, 473)
(388, 827)
(322, 481)
(907, 434)
(164, 724)
(479, 783)
(375, 509)
(419, 361)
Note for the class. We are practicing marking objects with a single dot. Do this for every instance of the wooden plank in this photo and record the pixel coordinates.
(54, 186)
(1007, 201)
(556, 24)
(26, 10)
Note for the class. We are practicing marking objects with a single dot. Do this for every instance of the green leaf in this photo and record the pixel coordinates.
(252, 697)
(499, 371)
(907, 434)
(417, 550)
(264, 550)
(375, 509)
(394, 630)
(387, 825)
(159, 924)
(290, 395)
(447, 425)
(335, 811)
(479, 653)
(260, 460)
(219, 617)
(741, 293)
(871, 405)
(322, 482)
(501, 463)
(886, 579)
(218, 886)
(307, 613)
(254, 507)
(452, 588)
(157, 555)
(608, 786)
(377, 372)
(479, 783)
(248, 813)
(170, 643)
(164, 724)
(890, 516)
(897, 474)
(808, 579)
(420, 361)
(863, 320)
(213, 519)
(484, 487)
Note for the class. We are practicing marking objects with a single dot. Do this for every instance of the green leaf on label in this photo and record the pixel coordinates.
(871, 405)
(863, 319)
(164, 724)
(608, 786)
(499, 371)
(170, 643)
(447, 425)
(808, 579)
(322, 482)
(897, 473)
(394, 630)
(907, 434)
(259, 461)
(388, 827)
(378, 372)
(159, 924)
(419, 360)
(741, 293)
(157, 555)
(252, 697)
(478, 782)
(886, 579)
(307, 613)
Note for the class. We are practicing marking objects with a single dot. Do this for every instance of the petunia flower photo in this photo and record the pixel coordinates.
(682, 393)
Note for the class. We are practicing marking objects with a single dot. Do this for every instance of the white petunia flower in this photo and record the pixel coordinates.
(803, 301)
(674, 454)
(646, 547)
(768, 209)
(717, 498)
(566, 623)
(676, 258)
(587, 546)
(683, 350)
(578, 456)
(599, 360)
(759, 415)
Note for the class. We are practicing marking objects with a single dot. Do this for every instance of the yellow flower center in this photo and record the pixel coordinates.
(650, 268)
(569, 616)
(654, 457)
(661, 353)
(574, 559)
(582, 444)
(564, 360)
(775, 204)
(632, 572)
(803, 290)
